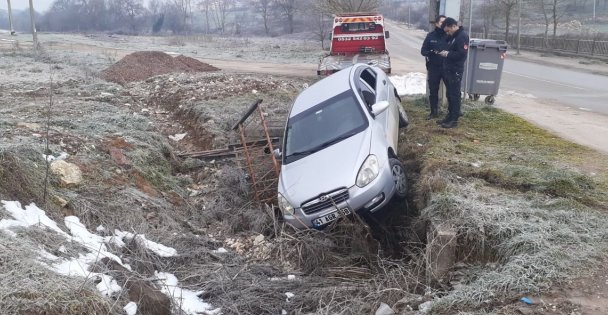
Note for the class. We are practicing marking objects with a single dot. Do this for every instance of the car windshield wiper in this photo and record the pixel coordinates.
(336, 140)
(323, 145)
(306, 152)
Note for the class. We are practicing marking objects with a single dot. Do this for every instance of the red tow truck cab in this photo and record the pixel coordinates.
(356, 38)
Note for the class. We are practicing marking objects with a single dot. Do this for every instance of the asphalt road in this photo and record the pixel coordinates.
(570, 88)
(584, 91)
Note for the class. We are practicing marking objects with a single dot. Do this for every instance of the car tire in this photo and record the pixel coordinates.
(398, 173)
(403, 122)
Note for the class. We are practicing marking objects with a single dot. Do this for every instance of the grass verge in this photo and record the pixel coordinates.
(529, 208)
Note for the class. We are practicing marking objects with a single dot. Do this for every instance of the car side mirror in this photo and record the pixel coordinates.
(387, 35)
(379, 107)
(277, 153)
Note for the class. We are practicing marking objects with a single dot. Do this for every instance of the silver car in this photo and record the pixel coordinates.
(340, 148)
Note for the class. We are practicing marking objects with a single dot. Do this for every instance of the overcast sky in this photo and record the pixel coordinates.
(39, 5)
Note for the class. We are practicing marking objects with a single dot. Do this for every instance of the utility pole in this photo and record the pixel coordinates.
(594, 1)
(10, 17)
(519, 25)
(33, 20)
(466, 65)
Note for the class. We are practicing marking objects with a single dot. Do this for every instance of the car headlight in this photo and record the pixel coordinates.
(368, 172)
(285, 206)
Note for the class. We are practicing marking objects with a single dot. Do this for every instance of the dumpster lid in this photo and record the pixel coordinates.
(489, 43)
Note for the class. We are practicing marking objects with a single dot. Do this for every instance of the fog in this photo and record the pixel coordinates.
(39, 5)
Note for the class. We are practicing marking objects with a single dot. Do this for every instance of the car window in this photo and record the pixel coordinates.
(369, 77)
(323, 125)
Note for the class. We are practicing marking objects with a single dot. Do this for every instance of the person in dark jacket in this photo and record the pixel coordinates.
(434, 43)
(453, 67)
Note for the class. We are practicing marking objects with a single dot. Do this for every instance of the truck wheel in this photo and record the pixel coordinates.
(398, 172)
(490, 99)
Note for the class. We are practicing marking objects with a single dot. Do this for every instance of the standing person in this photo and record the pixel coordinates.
(453, 66)
(434, 43)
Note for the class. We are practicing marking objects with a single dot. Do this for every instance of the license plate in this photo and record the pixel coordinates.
(332, 216)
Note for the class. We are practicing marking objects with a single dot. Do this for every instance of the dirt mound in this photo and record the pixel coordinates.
(141, 65)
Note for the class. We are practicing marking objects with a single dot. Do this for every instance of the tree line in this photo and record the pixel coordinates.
(538, 16)
(269, 17)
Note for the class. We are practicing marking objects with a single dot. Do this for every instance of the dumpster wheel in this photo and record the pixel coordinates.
(473, 97)
(490, 99)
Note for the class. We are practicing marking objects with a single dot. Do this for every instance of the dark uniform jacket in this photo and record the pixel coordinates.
(434, 43)
(458, 45)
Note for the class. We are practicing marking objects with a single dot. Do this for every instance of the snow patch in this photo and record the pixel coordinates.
(130, 308)
(513, 93)
(188, 300)
(160, 249)
(31, 215)
(108, 286)
(413, 83)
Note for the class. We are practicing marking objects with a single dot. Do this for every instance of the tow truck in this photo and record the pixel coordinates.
(356, 38)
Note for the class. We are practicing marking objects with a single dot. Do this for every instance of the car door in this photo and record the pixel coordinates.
(390, 118)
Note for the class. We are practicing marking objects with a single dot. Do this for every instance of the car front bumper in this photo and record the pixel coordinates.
(361, 200)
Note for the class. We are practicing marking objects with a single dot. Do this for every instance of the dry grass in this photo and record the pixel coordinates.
(29, 288)
(528, 212)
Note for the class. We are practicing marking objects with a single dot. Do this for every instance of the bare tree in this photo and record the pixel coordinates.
(553, 11)
(184, 9)
(488, 11)
(128, 11)
(205, 6)
(220, 9)
(322, 21)
(506, 7)
(263, 8)
(342, 6)
(288, 8)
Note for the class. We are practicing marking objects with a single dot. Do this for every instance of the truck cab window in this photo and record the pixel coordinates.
(355, 27)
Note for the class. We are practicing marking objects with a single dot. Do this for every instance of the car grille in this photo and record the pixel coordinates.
(325, 201)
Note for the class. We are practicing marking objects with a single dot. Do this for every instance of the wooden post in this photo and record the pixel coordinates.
(33, 20)
(10, 17)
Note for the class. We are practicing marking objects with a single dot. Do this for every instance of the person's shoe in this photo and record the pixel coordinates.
(432, 116)
(449, 124)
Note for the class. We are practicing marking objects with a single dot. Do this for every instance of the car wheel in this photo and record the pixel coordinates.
(398, 172)
(403, 122)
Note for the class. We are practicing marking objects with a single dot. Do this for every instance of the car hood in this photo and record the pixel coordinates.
(329, 169)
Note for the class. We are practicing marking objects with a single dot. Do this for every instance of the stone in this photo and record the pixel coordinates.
(150, 300)
(69, 173)
(32, 126)
(440, 251)
(60, 201)
(410, 301)
(258, 240)
(384, 309)
(425, 307)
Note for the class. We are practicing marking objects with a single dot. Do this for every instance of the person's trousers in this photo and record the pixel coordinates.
(453, 81)
(434, 77)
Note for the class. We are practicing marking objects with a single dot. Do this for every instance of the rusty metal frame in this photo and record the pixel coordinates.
(263, 180)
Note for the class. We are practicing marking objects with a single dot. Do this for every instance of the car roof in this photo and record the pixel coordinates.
(325, 89)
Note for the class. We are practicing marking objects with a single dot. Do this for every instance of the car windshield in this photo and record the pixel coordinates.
(327, 123)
